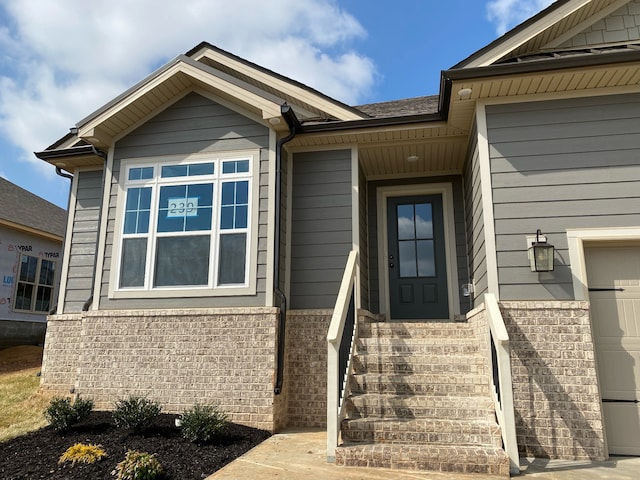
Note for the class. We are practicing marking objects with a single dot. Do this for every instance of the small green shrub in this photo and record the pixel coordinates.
(61, 414)
(135, 413)
(138, 466)
(203, 423)
(83, 453)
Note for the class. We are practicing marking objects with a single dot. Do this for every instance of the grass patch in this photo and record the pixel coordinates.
(20, 402)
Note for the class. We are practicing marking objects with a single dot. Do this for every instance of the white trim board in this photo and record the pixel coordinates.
(576, 238)
(444, 189)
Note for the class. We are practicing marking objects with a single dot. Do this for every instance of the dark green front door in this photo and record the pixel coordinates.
(416, 261)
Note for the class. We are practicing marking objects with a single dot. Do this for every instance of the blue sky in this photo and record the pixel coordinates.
(60, 60)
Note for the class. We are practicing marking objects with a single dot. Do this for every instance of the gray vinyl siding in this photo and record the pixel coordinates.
(459, 277)
(193, 124)
(559, 165)
(476, 252)
(79, 279)
(364, 239)
(321, 231)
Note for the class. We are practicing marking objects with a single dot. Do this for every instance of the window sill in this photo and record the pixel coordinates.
(184, 293)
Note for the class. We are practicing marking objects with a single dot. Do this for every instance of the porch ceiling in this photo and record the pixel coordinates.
(383, 151)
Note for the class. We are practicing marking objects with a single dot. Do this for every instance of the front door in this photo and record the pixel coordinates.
(417, 260)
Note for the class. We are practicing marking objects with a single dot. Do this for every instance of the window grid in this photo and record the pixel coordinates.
(198, 177)
(35, 285)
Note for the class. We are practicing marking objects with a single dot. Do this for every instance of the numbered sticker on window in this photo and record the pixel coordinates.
(183, 207)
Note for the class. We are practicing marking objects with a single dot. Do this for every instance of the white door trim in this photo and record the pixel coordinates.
(576, 239)
(444, 189)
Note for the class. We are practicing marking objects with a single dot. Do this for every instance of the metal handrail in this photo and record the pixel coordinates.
(501, 386)
(336, 338)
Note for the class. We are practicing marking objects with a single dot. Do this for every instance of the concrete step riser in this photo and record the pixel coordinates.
(415, 348)
(359, 386)
(451, 459)
(386, 412)
(451, 365)
(390, 332)
(426, 438)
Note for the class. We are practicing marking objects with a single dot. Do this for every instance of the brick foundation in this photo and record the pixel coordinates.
(224, 357)
(306, 373)
(555, 388)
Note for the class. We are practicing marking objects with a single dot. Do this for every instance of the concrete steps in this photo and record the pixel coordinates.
(430, 457)
(419, 400)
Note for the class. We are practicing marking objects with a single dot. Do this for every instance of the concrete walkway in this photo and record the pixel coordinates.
(301, 455)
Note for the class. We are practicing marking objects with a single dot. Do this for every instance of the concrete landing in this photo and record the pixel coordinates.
(301, 455)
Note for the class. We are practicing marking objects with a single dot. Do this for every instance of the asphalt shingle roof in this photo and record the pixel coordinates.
(21, 207)
(400, 108)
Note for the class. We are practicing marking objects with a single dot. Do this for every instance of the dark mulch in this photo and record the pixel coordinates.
(35, 455)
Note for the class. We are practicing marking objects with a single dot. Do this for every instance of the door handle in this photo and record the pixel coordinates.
(391, 265)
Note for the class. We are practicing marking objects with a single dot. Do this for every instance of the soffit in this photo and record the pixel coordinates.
(383, 151)
(584, 81)
(166, 86)
(441, 146)
(574, 22)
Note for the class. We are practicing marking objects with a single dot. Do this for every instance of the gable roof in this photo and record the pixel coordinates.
(22, 210)
(548, 28)
(292, 91)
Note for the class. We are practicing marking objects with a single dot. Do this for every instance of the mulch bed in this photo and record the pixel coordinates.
(35, 455)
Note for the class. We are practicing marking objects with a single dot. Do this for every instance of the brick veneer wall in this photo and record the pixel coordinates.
(62, 347)
(224, 357)
(555, 390)
(306, 372)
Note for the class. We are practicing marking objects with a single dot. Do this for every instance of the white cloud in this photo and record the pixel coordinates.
(506, 14)
(60, 60)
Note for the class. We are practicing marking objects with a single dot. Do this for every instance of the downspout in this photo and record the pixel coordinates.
(59, 172)
(99, 153)
(290, 117)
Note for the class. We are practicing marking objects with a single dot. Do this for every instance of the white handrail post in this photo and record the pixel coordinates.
(334, 336)
(505, 407)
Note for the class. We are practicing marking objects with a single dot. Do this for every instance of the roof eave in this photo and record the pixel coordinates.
(504, 39)
(541, 65)
(371, 122)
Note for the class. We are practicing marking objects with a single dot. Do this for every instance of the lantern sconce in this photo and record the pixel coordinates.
(541, 254)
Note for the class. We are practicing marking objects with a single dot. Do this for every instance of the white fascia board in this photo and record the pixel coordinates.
(527, 34)
(268, 104)
(304, 95)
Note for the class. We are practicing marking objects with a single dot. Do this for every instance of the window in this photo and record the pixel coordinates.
(34, 288)
(185, 225)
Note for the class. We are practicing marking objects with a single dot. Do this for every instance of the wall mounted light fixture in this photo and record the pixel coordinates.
(465, 93)
(541, 254)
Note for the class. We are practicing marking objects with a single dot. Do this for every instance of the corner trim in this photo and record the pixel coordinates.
(484, 161)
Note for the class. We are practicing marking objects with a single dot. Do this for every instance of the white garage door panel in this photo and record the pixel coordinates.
(623, 428)
(613, 275)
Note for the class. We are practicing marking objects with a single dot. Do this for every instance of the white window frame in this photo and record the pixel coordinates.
(35, 284)
(217, 179)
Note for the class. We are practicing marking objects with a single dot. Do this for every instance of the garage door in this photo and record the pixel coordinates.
(613, 275)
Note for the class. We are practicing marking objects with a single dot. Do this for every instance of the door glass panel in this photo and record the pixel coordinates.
(406, 224)
(424, 221)
(407, 260)
(426, 259)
